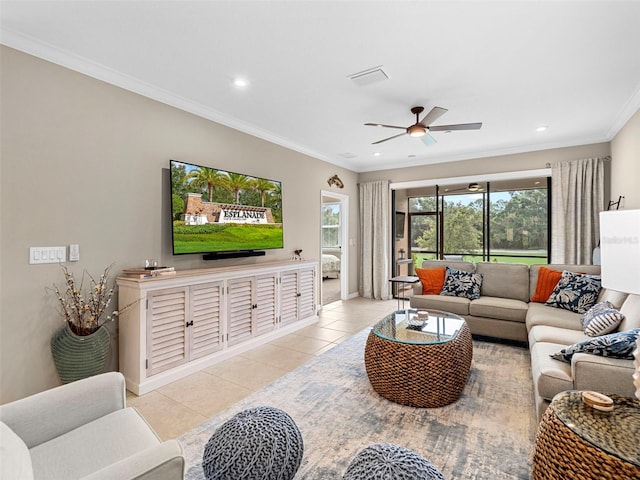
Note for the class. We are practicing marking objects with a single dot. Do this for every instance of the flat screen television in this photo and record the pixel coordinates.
(216, 211)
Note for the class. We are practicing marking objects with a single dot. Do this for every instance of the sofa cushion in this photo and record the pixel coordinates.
(462, 284)
(550, 376)
(601, 319)
(93, 446)
(547, 281)
(615, 345)
(15, 460)
(550, 334)
(500, 308)
(431, 279)
(631, 311)
(540, 314)
(458, 265)
(534, 270)
(613, 297)
(603, 374)
(575, 291)
(457, 305)
(505, 280)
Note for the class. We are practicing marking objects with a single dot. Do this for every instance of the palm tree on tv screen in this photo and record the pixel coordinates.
(203, 177)
(235, 182)
(262, 185)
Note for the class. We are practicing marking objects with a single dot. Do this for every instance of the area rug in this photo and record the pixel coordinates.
(487, 434)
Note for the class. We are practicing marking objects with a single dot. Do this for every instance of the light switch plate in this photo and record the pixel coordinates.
(74, 252)
(39, 255)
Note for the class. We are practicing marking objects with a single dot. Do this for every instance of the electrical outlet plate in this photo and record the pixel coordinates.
(38, 255)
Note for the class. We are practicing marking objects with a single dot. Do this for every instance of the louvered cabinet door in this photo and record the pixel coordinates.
(204, 333)
(264, 298)
(307, 291)
(239, 310)
(166, 320)
(289, 297)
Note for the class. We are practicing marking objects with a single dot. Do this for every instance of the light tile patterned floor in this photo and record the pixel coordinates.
(176, 408)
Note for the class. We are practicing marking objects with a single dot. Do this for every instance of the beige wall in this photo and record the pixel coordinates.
(625, 164)
(86, 162)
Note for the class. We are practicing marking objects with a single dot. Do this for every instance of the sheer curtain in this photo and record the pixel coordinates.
(577, 198)
(375, 233)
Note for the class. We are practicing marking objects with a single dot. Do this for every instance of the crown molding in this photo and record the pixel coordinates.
(625, 114)
(64, 58)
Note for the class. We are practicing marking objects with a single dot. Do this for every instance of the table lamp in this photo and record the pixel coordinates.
(620, 261)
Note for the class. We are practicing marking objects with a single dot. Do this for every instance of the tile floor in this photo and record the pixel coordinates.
(176, 408)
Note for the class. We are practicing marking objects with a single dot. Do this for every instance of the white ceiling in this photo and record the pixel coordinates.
(574, 66)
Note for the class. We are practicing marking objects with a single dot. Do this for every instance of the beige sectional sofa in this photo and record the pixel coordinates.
(504, 311)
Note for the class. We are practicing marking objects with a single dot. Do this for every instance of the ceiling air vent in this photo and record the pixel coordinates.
(367, 77)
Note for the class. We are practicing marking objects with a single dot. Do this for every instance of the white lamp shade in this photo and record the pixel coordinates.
(620, 250)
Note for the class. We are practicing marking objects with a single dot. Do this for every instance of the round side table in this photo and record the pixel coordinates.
(575, 441)
(420, 365)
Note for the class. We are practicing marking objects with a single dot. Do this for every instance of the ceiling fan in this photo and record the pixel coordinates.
(422, 127)
(471, 188)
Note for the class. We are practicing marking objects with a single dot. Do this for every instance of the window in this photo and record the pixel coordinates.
(495, 221)
(331, 233)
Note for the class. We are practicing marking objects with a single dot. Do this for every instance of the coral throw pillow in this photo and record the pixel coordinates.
(547, 281)
(432, 280)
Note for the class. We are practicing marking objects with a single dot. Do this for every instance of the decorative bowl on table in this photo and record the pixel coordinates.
(417, 321)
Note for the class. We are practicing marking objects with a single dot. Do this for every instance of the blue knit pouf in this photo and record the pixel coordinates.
(386, 461)
(261, 443)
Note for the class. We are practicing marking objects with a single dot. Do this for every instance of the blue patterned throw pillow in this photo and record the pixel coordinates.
(461, 284)
(577, 292)
(601, 319)
(614, 345)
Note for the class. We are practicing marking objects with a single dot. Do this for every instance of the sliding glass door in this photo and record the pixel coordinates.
(497, 222)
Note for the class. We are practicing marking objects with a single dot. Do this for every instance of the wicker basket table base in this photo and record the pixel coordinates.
(429, 375)
(562, 454)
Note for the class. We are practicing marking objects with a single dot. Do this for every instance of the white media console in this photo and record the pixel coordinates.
(185, 322)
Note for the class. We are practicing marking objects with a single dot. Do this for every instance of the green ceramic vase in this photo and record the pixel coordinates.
(77, 357)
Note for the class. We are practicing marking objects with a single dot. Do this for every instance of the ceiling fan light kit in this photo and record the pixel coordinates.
(421, 127)
(416, 131)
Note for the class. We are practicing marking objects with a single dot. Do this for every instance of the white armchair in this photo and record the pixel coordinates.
(83, 430)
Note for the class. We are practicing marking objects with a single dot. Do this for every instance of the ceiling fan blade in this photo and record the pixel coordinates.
(428, 140)
(385, 126)
(459, 126)
(434, 114)
(390, 138)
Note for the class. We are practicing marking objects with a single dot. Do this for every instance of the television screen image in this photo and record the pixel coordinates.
(216, 210)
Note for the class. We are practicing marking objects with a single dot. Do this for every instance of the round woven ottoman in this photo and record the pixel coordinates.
(261, 443)
(386, 461)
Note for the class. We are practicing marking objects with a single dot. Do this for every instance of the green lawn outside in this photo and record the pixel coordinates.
(511, 258)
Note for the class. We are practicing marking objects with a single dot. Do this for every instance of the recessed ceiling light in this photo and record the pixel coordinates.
(376, 154)
(542, 128)
(240, 82)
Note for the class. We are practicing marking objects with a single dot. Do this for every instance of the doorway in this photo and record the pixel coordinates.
(334, 225)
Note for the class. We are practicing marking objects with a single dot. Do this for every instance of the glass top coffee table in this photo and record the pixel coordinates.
(421, 362)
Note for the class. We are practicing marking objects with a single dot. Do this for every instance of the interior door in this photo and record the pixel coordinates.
(334, 246)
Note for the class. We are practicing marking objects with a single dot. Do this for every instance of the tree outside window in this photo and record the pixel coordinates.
(331, 225)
